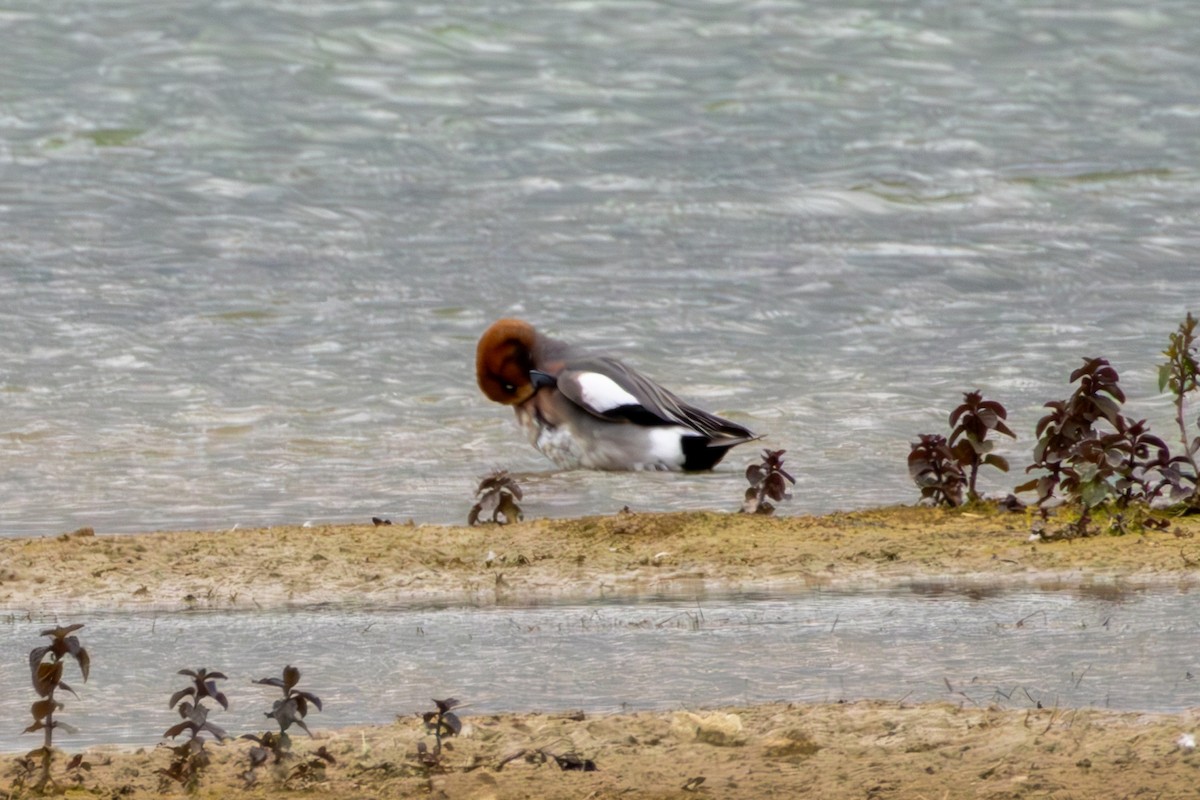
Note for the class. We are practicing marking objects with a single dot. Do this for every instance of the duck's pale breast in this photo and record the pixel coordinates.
(584, 441)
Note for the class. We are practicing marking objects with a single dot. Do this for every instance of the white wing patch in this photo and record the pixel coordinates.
(602, 394)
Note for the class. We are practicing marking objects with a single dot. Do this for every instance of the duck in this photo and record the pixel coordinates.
(588, 411)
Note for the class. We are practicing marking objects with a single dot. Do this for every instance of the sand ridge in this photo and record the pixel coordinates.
(625, 554)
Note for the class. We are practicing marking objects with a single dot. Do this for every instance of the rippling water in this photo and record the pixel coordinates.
(248, 247)
(964, 645)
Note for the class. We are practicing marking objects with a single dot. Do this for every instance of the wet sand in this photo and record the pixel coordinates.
(884, 748)
(621, 555)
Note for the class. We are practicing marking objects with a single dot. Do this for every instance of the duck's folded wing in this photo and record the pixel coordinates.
(610, 390)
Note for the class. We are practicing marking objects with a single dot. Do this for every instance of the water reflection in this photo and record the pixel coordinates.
(927, 641)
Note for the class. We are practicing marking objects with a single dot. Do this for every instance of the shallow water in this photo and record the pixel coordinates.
(965, 644)
(248, 246)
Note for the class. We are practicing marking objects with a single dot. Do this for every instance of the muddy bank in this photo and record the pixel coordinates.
(865, 749)
(621, 555)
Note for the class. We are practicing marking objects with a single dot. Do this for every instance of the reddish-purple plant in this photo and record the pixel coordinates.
(768, 481)
(935, 470)
(190, 758)
(291, 709)
(442, 722)
(970, 424)
(46, 670)
(1091, 453)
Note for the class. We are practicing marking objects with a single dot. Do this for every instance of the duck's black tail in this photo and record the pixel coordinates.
(701, 453)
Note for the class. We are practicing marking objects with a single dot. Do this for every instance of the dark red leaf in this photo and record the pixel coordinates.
(182, 693)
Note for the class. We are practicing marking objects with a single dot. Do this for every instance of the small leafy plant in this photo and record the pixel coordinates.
(970, 424)
(190, 758)
(265, 745)
(291, 709)
(1181, 375)
(312, 769)
(76, 767)
(935, 470)
(46, 670)
(442, 723)
(1127, 460)
(1090, 452)
(768, 481)
(497, 493)
(943, 469)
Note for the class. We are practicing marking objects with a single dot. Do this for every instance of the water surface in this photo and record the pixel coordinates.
(970, 645)
(248, 246)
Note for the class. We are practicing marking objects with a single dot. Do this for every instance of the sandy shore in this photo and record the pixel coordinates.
(621, 555)
(866, 749)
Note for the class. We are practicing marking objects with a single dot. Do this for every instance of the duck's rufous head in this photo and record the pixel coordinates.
(503, 360)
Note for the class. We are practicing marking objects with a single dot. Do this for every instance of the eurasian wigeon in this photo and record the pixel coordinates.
(584, 410)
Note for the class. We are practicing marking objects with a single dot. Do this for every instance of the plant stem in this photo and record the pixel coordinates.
(47, 740)
(1187, 450)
